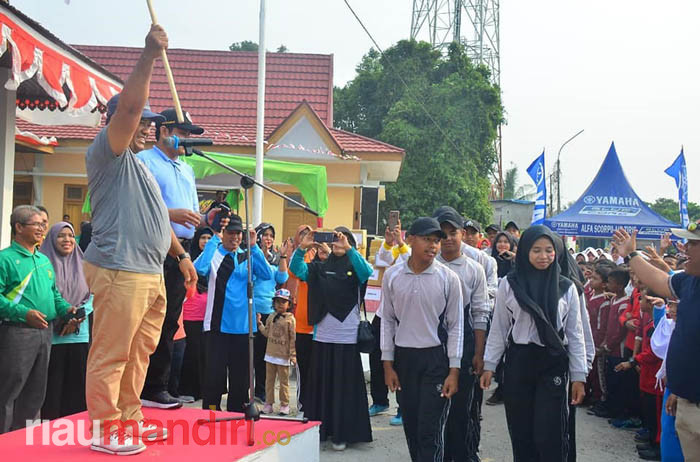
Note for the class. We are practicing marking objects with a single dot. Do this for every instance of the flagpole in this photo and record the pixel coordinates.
(260, 123)
(559, 171)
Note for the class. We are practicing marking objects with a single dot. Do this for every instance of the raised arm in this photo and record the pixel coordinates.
(127, 117)
(362, 268)
(650, 276)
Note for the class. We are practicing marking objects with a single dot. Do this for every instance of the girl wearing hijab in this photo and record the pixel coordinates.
(337, 395)
(193, 310)
(537, 324)
(263, 291)
(65, 390)
(503, 250)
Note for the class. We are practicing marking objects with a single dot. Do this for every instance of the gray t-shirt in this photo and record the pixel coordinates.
(130, 224)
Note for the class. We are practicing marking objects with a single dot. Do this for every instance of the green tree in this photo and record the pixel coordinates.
(511, 190)
(248, 45)
(245, 45)
(442, 110)
(670, 209)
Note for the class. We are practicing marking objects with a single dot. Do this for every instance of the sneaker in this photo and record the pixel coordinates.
(376, 409)
(396, 421)
(267, 409)
(160, 400)
(626, 423)
(651, 454)
(284, 410)
(496, 398)
(152, 433)
(339, 446)
(644, 446)
(186, 399)
(119, 444)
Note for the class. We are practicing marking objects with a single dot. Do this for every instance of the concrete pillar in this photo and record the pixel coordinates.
(7, 153)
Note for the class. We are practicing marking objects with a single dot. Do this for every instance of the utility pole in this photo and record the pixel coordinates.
(558, 170)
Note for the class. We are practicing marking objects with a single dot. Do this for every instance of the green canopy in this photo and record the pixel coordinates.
(309, 179)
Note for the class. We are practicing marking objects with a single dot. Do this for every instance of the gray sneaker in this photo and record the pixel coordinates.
(119, 443)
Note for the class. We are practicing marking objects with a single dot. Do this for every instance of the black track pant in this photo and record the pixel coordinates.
(462, 433)
(259, 348)
(379, 390)
(304, 346)
(536, 402)
(227, 356)
(422, 372)
(158, 374)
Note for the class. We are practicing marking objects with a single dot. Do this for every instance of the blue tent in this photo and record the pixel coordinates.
(609, 203)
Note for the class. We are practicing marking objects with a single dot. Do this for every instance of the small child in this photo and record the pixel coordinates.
(280, 331)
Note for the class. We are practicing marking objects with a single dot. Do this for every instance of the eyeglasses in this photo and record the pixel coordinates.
(37, 224)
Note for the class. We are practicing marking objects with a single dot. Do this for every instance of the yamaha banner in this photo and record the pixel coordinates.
(677, 172)
(536, 172)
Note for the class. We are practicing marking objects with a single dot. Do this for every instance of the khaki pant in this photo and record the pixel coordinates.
(688, 428)
(272, 371)
(128, 314)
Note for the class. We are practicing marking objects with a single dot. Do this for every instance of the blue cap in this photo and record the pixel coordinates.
(146, 114)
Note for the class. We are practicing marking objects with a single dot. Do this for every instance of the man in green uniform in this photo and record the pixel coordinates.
(28, 305)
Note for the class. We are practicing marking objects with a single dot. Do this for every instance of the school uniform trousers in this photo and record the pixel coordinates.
(422, 372)
(463, 430)
(536, 389)
(379, 390)
(227, 357)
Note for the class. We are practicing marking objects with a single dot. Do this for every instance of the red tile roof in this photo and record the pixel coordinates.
(221, 86)
(218, 89)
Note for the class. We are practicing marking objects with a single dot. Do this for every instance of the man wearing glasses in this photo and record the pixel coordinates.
(28, 305)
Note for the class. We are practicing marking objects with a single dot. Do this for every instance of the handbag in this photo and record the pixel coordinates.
(365, 337)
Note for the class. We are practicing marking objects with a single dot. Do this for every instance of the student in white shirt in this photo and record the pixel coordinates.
(537, 322)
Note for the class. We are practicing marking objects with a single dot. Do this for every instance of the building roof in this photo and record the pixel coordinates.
(219, 90)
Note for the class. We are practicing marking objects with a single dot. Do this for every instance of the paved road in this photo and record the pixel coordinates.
(597, 441)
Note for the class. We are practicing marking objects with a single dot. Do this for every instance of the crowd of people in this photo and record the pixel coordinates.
(149, 307)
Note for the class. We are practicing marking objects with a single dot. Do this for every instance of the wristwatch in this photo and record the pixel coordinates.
(183, 256)
(633, 254)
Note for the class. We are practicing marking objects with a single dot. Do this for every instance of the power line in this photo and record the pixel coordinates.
(408, 89)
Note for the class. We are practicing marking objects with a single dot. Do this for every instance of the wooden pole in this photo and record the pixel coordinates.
(168, 71)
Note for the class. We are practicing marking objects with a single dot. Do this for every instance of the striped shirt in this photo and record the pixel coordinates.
(416, 306)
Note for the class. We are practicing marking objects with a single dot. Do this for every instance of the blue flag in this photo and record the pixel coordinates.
(678, 172)
(536, 172)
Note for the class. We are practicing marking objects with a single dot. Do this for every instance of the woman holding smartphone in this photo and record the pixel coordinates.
(65, 390)
(336, 395)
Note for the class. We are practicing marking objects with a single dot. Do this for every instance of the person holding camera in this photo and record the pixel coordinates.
(337, 395)
(226, 320)
(29, 304)
(65, 390)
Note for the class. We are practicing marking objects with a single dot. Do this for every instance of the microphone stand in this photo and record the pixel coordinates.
(251, 413)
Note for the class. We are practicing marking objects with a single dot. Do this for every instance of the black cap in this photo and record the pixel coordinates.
(512, 224)
(145, 114)
(493, 227)
(235, 223)
(447, 214)
(425, 226)
(472, 224)
(171, 121)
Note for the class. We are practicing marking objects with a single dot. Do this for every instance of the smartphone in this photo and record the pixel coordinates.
(225, 212)
(327, 237)
(393, 219)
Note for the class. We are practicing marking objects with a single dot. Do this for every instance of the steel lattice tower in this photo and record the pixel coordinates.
(473, 23)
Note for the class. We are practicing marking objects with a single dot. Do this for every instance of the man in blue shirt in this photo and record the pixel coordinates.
(683, 375)
(179, 192)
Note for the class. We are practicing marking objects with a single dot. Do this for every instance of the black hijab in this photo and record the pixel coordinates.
(504, 264)
(333, 285)
(568, 266)
(194, 248)
(85, 235)
(538, 291)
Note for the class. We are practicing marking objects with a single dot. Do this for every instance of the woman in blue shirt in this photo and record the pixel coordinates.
(337, 394)
(263, 292)
(65, 390)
